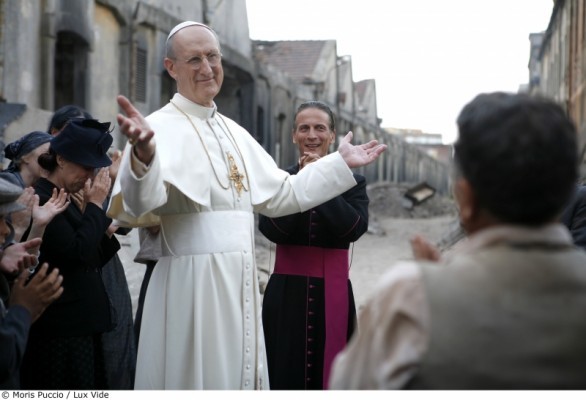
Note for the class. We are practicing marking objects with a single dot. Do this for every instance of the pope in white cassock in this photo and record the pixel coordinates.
(201, 182)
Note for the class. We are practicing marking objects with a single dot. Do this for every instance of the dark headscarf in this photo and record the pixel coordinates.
(21, 147)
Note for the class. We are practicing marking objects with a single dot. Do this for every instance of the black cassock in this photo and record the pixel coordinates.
(293, 311)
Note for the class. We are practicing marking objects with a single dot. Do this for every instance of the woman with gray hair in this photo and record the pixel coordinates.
(24, 169)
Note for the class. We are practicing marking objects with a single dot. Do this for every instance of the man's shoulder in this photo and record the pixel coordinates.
(400, 274)
(232, 125)
(162, 113)
(164, 120)
(10, 177)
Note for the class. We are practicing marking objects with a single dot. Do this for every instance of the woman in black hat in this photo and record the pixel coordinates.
(119, 344)
(64, 349)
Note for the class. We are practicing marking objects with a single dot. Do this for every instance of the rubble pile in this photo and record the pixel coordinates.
(387, 200)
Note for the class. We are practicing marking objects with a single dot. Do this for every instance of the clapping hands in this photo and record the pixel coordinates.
(44, 214)
(96, 191)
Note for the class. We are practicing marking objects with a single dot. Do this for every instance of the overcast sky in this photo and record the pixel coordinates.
(428, 57)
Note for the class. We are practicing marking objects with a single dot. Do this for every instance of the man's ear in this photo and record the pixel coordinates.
(170, 67)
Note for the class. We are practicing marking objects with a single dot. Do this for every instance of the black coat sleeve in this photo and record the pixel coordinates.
(279, 229)
(79, 242)
(347, 214)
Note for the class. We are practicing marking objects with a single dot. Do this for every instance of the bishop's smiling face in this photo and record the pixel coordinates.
(312, 132)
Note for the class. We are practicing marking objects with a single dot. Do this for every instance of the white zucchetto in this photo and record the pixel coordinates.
(185, 24)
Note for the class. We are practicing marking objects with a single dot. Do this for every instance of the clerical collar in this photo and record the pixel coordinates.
(193, 108)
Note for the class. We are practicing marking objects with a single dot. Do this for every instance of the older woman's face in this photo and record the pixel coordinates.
(31, 164)
(72, 176)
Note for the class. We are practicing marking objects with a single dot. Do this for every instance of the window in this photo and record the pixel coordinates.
(70, 70)
(260, 125)
(140, 76)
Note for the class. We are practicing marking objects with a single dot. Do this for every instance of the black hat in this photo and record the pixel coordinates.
(9, 193)
(84, 142)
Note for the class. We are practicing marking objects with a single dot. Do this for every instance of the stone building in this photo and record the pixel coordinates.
(86, 52)
(557, 65)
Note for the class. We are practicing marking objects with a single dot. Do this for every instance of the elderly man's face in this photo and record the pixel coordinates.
(200, 81)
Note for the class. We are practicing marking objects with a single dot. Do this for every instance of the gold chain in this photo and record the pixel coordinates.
(230, 137)
(203, 144)
(234, 174)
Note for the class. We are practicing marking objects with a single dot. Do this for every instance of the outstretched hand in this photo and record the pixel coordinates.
(359, 155)
(136, 129)
(423, 250)
(21, 219)
(44, 214)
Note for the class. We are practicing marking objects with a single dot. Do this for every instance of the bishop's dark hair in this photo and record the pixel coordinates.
(320, 105)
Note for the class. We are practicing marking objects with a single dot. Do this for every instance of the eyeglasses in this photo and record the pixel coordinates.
(196, 62)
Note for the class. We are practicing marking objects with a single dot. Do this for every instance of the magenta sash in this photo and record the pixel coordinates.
(332, 265)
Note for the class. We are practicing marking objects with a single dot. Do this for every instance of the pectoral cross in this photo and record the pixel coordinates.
(235, 175)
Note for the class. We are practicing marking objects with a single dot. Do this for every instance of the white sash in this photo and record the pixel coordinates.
(206, 232)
